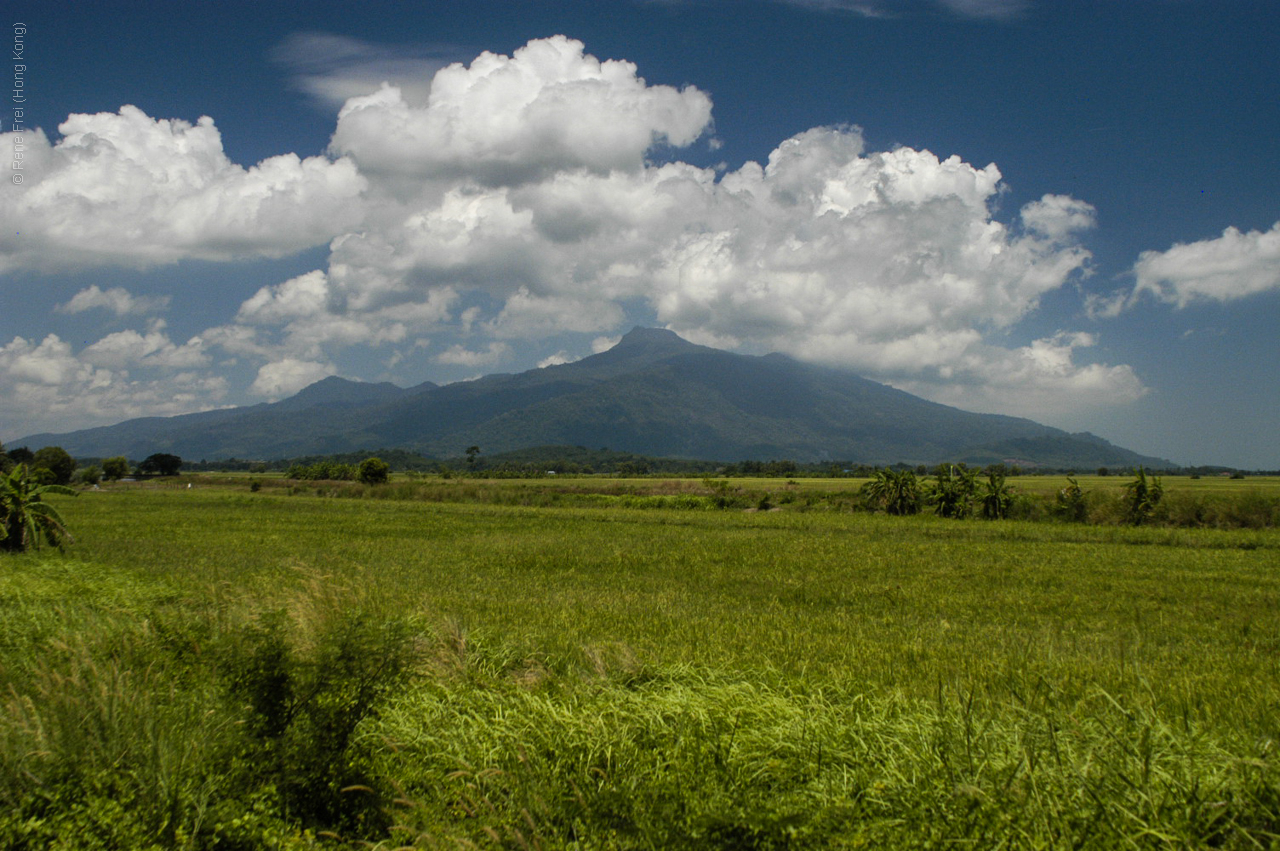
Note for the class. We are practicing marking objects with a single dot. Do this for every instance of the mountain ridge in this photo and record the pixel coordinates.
(653, 393)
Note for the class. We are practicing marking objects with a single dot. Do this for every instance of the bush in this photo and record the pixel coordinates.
(1069, 504)
(115, 468)
(374, 471)
(896, 492)
(952, 491)
(323, 471)
(1142, 496)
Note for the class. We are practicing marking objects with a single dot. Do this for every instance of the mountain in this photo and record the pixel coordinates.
(653, 394)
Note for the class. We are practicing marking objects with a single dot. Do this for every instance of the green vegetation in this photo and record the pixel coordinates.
(374, 471)
(627, 664)
(115, 468)
(60, 465)
(160, 464)
(27, 520)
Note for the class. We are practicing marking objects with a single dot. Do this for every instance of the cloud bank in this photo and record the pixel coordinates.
(514, 199)
(125, 189)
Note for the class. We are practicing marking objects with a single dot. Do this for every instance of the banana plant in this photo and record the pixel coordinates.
(26, 520)
(897, 492)
(998, 496)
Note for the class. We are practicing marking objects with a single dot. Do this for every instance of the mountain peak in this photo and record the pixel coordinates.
(335, 390)
(652, 338)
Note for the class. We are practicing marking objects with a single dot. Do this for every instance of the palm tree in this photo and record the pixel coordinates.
(25, 518)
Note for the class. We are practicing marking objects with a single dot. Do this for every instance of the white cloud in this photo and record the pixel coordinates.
(1039, 381)
(118, 300)
(890, 263)
(128, 349)
(1231, 267)
(515, 201)
(458, 355)
(126, 189)
(604, 344)
(558, 359)
(506, 120)
(282, 378)
(307, 319)
(47, 387)
(1059, 216)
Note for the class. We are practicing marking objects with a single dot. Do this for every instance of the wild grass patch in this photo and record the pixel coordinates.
(220, 669)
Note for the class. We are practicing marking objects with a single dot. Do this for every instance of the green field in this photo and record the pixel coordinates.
(591, 664)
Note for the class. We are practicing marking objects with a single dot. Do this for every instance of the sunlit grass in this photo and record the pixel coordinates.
(596, 677)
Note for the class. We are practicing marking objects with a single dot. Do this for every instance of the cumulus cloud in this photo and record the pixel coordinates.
(49, 387)
(129, 349)
(515, 200)
(558, 359)
(305, 317)
(505, 120)
(117, 300)
(126, 189)
(890, 263)
(285, 377)
(1233, 266)
(1040, 380)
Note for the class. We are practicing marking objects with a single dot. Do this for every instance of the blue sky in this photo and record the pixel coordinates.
(1060, 210)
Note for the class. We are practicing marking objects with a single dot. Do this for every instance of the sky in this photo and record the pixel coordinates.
(1067, 211)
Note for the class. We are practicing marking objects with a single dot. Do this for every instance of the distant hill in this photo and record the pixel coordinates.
(652, 394)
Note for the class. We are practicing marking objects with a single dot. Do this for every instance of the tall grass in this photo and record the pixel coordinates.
(219, 669)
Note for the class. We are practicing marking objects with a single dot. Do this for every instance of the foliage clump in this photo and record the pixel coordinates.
(115, 468)
(952, 492)
(1142, 496)
(324, 471)
(374, 471)
(26, 519)
(1070, 504)
(57, 461)
(160, 464)
(895, 492)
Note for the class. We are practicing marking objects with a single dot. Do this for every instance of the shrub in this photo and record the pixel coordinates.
(374, 471)
(1141, 496)
(323, 471)
(895, 491)
(952, 491)
(997, 498)
(1069, 504)
(115, 468)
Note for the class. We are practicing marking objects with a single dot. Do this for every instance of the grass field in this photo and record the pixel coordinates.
(219, 668)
